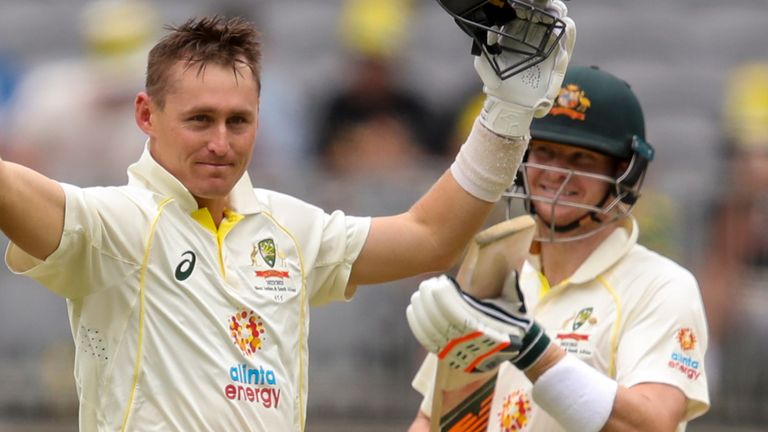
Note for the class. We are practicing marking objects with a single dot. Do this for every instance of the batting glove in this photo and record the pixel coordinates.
(512, 103)
(475, 335)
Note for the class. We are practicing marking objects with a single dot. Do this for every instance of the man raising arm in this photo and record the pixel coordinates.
(188, 289)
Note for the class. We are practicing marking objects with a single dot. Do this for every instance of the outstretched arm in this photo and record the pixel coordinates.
(31, 209)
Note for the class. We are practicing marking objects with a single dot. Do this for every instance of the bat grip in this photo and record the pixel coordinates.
(437, 396)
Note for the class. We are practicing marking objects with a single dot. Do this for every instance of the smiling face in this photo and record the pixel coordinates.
(203, 134)
(563, 192)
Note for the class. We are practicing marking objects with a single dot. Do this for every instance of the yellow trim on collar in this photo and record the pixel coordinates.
(544, 285)
(231, 218)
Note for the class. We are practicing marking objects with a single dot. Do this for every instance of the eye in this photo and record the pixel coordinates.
(237, 120)
(199, 118)
(542, 153)
(582, 160)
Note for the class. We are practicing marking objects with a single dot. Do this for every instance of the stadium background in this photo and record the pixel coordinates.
(677, 55)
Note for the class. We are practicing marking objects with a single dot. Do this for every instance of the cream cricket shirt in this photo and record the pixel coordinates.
(180, 327)
(628, 312)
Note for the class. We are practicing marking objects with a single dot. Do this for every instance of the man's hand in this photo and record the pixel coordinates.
(512, 103)
(475, 335)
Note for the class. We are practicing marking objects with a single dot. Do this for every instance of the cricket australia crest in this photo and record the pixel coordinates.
(268, 251)
(269, 273)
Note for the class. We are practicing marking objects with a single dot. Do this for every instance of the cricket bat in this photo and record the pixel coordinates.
(493, 253)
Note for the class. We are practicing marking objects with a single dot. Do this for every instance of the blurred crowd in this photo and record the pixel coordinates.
(365, 125)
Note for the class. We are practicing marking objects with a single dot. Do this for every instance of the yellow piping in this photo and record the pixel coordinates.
(140, 343)
(546, 289)
(301, 316)
(616, 326)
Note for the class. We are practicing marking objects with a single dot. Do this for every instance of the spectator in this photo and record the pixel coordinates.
(372, 124)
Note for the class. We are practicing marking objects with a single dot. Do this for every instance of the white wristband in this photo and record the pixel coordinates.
(487, 163)
(579, 397)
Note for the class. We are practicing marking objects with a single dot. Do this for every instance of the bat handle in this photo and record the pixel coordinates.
(437, 396)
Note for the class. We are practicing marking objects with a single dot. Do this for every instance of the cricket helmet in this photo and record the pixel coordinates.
(533, 41)
(596, 111)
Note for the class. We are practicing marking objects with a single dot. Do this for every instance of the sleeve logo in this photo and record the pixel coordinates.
(686, 339)
(685, 361)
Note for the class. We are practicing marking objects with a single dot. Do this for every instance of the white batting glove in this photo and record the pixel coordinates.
(512, 103)
(474, 335)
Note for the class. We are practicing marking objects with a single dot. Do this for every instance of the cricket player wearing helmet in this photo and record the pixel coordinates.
(602, 333)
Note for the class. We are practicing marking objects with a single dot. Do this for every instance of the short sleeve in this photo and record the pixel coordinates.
(88, 256)
(342, 240)
(664, 341)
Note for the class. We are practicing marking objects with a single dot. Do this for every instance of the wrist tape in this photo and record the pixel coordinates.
(534, 344)
(579, 397)
(487, 163)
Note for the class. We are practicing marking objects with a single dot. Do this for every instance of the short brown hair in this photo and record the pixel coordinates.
(202, 41)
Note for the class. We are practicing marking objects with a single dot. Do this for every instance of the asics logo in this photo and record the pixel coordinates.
(186, 266)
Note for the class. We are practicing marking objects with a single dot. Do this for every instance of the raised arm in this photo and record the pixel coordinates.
(429, 237)
(31, 209)
(433, 233)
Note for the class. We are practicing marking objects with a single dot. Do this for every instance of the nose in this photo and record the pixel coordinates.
(218, 143)
(554, 171)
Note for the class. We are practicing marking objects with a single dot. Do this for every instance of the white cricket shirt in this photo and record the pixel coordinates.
(182, 327)
(628, 312)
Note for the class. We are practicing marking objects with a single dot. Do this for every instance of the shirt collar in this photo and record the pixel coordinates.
(147, 173)
(610, 251)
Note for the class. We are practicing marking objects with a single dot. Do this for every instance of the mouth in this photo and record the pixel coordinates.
(215, 165)
(554, 190)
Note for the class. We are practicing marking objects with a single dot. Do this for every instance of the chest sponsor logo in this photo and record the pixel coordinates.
(186, 266)
(253, 384)
(576, 331)
(269, 274)
(515, 412)
(247, 331)
(683, 360)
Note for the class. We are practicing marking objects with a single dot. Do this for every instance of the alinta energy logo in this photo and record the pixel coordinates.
(251, 383)
(686, 339)
(255, 384)
(247, 331)
(515, 412)
(682, 360)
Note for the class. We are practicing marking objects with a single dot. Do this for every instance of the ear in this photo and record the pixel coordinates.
(143, 112)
